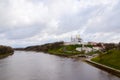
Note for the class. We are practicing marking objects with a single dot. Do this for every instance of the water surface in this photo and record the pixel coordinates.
(40, 66)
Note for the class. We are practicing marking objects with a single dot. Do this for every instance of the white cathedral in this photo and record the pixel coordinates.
(76, 39)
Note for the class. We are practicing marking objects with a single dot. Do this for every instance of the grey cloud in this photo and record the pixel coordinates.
(109, 21)
(42, 21)
(25, 31)
(78, 21)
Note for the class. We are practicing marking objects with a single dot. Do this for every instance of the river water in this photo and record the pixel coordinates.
(40, 66)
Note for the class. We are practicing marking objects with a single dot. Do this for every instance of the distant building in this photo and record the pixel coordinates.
(75, 40)
(92, 43)
(78, 40)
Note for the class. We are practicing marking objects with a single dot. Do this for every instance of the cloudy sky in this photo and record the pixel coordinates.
(33, 22)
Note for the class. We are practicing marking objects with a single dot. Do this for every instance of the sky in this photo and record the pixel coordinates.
(34, 22)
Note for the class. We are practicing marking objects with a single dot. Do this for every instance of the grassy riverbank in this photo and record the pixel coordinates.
(5, 51)
(65, 50)
(57, 48)
(111, 58)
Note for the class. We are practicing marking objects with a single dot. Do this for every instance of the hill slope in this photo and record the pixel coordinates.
(111, 58)
(57, 48)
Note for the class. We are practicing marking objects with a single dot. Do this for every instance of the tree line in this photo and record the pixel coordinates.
(109, 46)
(45, 47)
(5, 49)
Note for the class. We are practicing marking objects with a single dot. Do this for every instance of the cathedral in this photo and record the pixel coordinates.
(76, 39)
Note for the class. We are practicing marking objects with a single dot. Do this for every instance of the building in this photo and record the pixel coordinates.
(78, 40)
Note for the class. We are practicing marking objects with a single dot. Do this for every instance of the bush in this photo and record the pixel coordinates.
(5, 49)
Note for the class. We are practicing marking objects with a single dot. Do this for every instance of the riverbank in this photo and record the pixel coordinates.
(5, 51)
(65, 50)
(108, 61)
(5, 55)
(57, 48)
(104, 67)
(111, 58)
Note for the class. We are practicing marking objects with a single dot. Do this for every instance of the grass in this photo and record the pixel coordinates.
(111, 59)
(66, 50)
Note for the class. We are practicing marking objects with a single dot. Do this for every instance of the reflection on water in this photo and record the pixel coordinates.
(39, 66)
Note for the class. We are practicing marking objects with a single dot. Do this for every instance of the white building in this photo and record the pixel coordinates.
(77, 40)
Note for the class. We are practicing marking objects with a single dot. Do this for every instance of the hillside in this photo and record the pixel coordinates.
(45, 47)
(66, 50)
(110, 58)
(56, 48)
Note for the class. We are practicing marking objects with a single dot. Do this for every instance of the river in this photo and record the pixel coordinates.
(40, 66)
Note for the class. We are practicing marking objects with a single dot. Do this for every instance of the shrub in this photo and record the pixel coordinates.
(5, 49)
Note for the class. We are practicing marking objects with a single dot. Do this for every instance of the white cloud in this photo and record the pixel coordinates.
(29, 22)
